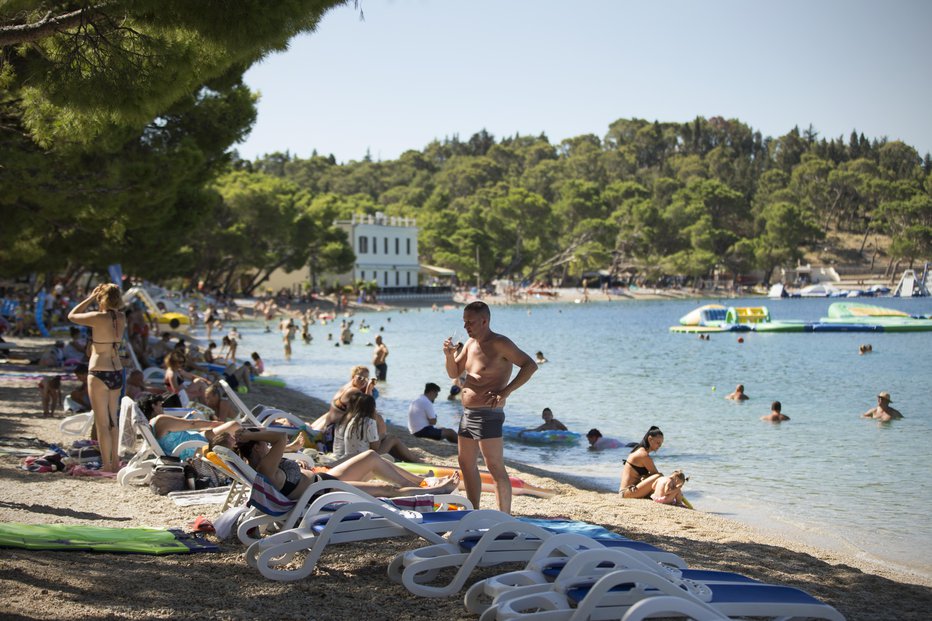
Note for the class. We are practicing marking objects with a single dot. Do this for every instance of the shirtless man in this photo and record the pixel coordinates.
(550, 423)
(738, 394)
(378, 359)
(775, 416)
(883, 412)
(487, 359)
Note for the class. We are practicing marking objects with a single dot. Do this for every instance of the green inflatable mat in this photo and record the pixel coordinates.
(100, 539)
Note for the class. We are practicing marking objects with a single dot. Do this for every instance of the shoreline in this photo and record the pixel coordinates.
(41, 589)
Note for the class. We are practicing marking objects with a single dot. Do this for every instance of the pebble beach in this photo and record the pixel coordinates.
(350, 579)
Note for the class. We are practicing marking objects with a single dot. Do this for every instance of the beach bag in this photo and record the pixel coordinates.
(167, 476)
(84, 455)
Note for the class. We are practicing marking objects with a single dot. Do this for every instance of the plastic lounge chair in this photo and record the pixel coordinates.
(77, 424)
(354, 521)
(153, 374)
(508, 542)
(554, 553)
(262, 517)
(139, 468)
(245, 416)
(265, 414)
(583, 591)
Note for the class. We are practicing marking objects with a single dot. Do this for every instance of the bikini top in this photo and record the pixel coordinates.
(115, 344)
(641, 470)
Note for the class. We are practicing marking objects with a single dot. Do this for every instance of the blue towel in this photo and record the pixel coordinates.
(573, 526)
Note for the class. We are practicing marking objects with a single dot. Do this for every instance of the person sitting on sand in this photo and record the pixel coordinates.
(264, 450)
(738, 394)
(638, 471)
(50, 392)
(422, 418)
(550, 423)
(79, 400)
(170, 431)
(882, 412)
(669, 490)
(257, 364)
(598, 442)
(775, 416)
(363, 428)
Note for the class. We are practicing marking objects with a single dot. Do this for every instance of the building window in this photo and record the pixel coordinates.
(363, 245)
(408, 243)
(386, 245)
(385, 279)
(362, 275)
(397, 279)
(397, 246)
(375, 245)
(409, 279)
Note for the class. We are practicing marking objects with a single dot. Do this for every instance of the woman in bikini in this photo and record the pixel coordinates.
(264, 450)
(105, 374)
(176, 376)
(638, 472)
(339, 405)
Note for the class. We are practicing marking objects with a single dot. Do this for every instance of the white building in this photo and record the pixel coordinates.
(386, 250)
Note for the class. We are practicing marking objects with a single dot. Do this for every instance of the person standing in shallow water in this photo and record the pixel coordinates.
(378, 359)
(105, 375)
(488, 360)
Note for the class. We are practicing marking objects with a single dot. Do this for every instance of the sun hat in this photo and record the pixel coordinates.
(885, 395)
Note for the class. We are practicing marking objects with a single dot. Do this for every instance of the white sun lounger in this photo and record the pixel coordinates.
(554, 553)
(510, 541)
(584, 591)
(138, 470)
(354, 521)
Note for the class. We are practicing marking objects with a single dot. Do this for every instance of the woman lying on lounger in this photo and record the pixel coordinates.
(638, 472)
(264, 450)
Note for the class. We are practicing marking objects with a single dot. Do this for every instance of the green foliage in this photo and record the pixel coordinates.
(117, 119)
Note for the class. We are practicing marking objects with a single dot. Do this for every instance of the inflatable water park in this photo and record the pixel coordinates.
(169, 318)
(842, 317)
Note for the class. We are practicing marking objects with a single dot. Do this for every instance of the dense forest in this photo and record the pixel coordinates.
(663, 198)
(118, 124)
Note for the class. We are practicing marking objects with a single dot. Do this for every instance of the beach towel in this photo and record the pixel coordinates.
(265, 497)
(192, 497)
(422, 503)
(100, 539)
(573, 526)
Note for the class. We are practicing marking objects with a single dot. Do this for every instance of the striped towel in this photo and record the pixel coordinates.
(267, 498)
(422, 503)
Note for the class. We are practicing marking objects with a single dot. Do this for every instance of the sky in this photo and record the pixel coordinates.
(418, 70)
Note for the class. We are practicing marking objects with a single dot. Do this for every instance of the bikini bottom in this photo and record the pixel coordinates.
(111, 379)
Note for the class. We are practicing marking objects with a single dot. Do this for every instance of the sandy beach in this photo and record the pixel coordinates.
(350, 579)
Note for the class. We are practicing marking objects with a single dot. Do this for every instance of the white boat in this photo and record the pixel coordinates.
(818, 290)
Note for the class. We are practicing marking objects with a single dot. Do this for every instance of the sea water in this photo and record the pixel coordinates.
(827, 477)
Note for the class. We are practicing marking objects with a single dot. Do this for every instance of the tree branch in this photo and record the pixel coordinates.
(48, 25)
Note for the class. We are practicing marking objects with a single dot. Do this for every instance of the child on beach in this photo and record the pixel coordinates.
(668, 490)
(50, 390)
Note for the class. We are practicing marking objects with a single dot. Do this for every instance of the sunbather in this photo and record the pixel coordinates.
(264, 450)
(339, 405)
(170, 431)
